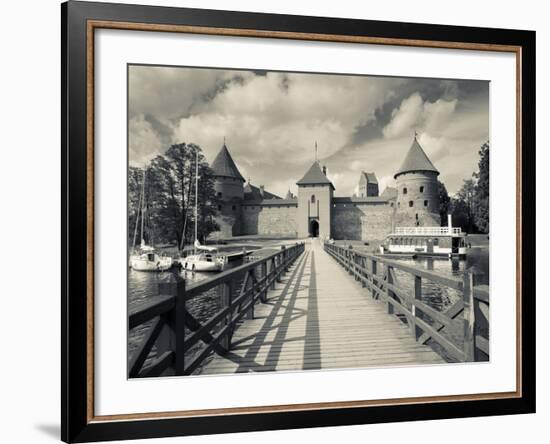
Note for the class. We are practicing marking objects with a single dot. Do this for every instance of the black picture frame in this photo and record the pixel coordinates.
(77, 424)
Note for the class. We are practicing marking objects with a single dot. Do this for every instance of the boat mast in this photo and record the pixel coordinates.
(143, 205)
(137, 219)
(196, 198)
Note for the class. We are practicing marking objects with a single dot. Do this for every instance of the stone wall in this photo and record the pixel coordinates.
(272, 220)
(228, 220)
(370, 222)
(250, 214)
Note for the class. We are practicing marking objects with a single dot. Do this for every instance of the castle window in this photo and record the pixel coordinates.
(416, 216)
(399, 204)
(313, 198)
(234, 208)
(219, 194)
(425, 203)
(411, 203)
(405, 190)
(219, 207)
(436, 242)
(391, 204)
(422, 189)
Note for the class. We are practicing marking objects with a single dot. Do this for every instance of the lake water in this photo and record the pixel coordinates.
(143, 285)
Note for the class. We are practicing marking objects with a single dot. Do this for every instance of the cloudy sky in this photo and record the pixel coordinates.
(271, 121)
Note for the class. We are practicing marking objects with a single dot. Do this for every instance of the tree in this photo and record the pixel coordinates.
(462, 207)
(170, 195)
(481, 195)
(444, 202)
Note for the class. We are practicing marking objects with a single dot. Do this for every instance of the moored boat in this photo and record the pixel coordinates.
(203, 262)
(446, 241)
(204, 258)
(147, 259)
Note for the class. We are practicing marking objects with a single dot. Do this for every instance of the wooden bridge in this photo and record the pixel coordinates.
(310, 307)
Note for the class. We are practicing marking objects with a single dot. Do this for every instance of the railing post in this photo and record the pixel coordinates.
(272, 272)
(226, 301)
(374, 271)
(389, 293)
(250, 313)
(263, 279)
(417, 296)
(364, 271)
(173, 335)
(469, 282)
(343, 256)
(283, 256)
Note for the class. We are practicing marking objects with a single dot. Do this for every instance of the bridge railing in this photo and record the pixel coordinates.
(378, 275)
(427, 231)
(180, 341)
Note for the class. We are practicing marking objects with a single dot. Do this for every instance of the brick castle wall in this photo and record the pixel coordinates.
(269, 220)
(370, 222)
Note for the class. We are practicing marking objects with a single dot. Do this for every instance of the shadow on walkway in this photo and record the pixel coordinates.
(282, 303)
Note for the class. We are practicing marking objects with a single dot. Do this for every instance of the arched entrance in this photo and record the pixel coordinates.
(314, 228)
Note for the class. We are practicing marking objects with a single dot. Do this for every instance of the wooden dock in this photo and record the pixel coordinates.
(309, 306)
(319, 318)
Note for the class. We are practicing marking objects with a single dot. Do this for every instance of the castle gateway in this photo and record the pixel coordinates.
(245, 209)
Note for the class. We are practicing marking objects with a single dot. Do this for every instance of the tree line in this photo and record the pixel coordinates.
(169, 197)
(470, 206)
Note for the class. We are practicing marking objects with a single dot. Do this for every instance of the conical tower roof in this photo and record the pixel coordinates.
(223, 165)
(315, 176)
(416, 160)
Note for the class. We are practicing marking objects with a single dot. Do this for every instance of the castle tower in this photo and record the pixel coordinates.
(228, 184)
(315, 192)
(368, 185)
(417, 190)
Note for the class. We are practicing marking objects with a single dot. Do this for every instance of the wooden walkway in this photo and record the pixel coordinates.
(318, 317)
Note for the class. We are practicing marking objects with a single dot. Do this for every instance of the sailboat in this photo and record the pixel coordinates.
(145, 258)
(204, 258)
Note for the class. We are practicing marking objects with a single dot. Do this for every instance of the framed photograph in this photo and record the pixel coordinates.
(275, 221)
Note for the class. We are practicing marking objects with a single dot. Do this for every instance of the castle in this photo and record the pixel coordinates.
(245, 209)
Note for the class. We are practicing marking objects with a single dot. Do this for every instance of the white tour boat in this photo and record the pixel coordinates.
(446, 241)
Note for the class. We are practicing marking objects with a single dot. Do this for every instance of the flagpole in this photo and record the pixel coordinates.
(315, 151)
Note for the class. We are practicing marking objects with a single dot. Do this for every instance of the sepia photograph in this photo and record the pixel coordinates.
(295, 221)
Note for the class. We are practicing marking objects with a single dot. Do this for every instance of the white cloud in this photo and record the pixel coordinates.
(384, 182)
(271, 122)
(144, 142)
(405, 118)
(416, 114)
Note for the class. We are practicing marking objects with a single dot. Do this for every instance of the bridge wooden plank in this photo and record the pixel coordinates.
(319, 317)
